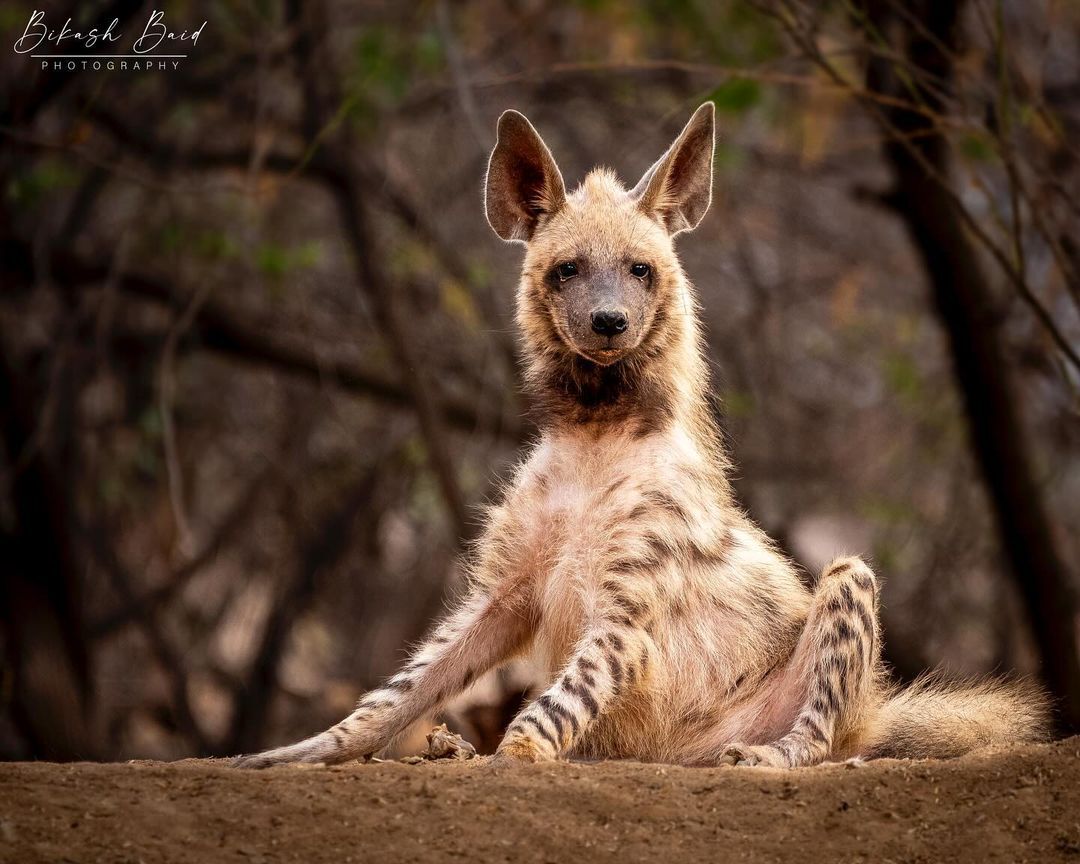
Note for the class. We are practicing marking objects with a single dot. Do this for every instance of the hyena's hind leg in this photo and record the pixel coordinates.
(838, 656)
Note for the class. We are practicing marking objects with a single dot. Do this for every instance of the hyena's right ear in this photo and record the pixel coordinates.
(523, 182)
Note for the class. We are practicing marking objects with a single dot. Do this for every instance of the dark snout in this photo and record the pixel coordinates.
(603, 313)
(609, 322)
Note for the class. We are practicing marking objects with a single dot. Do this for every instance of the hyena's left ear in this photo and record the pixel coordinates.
(678, 187)
(523, 182)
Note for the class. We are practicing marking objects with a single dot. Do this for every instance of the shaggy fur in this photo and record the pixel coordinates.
(668, 626)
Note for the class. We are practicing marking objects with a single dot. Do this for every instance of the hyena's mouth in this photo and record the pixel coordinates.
(602, 355)
(605, 356)
(596, 349)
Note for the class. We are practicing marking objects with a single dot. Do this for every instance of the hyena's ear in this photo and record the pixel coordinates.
(678, 187)
(523, 182)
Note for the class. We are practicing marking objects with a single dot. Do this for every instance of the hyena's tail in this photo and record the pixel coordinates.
(934, 718)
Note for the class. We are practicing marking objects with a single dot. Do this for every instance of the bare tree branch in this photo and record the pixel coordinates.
(877, 106)
(336, 149)
(320, 551)
(216, 329)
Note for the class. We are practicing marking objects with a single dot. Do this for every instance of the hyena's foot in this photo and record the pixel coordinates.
(758, 754)
(355, 737)
(256, 761)
(518, 747)
(269, 759)
(292, 756)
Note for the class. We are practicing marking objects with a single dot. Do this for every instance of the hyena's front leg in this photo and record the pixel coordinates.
(612, 654)
(483, 632)
(838, 651)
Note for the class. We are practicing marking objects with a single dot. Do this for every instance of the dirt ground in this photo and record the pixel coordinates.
(1021, 804)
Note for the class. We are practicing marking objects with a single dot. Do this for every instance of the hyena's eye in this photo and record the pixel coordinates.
(566, 270)
(639, 270)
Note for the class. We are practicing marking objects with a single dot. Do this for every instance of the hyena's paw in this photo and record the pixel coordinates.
(520, 748)
(759, 754)
(258, 760)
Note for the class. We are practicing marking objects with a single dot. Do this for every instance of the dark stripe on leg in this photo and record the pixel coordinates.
(547, 736)
(548, 705)
(616, 670)
(586, 698)
(816, 732)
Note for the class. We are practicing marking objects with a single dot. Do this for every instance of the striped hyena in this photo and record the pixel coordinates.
(669, 628)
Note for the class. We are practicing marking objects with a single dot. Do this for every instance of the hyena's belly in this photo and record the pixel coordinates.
(679, 698)
(697, 695)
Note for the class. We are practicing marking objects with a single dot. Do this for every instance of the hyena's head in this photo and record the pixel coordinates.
(601, 284)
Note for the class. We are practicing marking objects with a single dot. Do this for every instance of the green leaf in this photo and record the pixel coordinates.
(277, 261)
(29, 188)
(171, 236)
(728, 157)
(215, 245)
(12, 16)
(977, 147)
(887, 511)
(903, 378)
(273, 261)
(738, 404)
(429, 52)
(307, 255)
(736, 95)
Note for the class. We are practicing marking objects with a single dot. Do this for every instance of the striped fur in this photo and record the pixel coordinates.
(668, 626)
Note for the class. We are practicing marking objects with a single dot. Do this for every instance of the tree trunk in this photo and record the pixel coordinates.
(966, 306)
(39, 593)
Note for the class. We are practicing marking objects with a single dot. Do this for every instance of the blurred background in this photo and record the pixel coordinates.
(258, 358)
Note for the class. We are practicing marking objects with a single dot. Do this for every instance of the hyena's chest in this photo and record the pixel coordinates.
(566, 539)
(579, 498)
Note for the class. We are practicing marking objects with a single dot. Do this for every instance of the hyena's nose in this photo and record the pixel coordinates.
(608, 322)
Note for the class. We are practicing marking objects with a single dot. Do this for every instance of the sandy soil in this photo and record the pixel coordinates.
(1021, 804)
